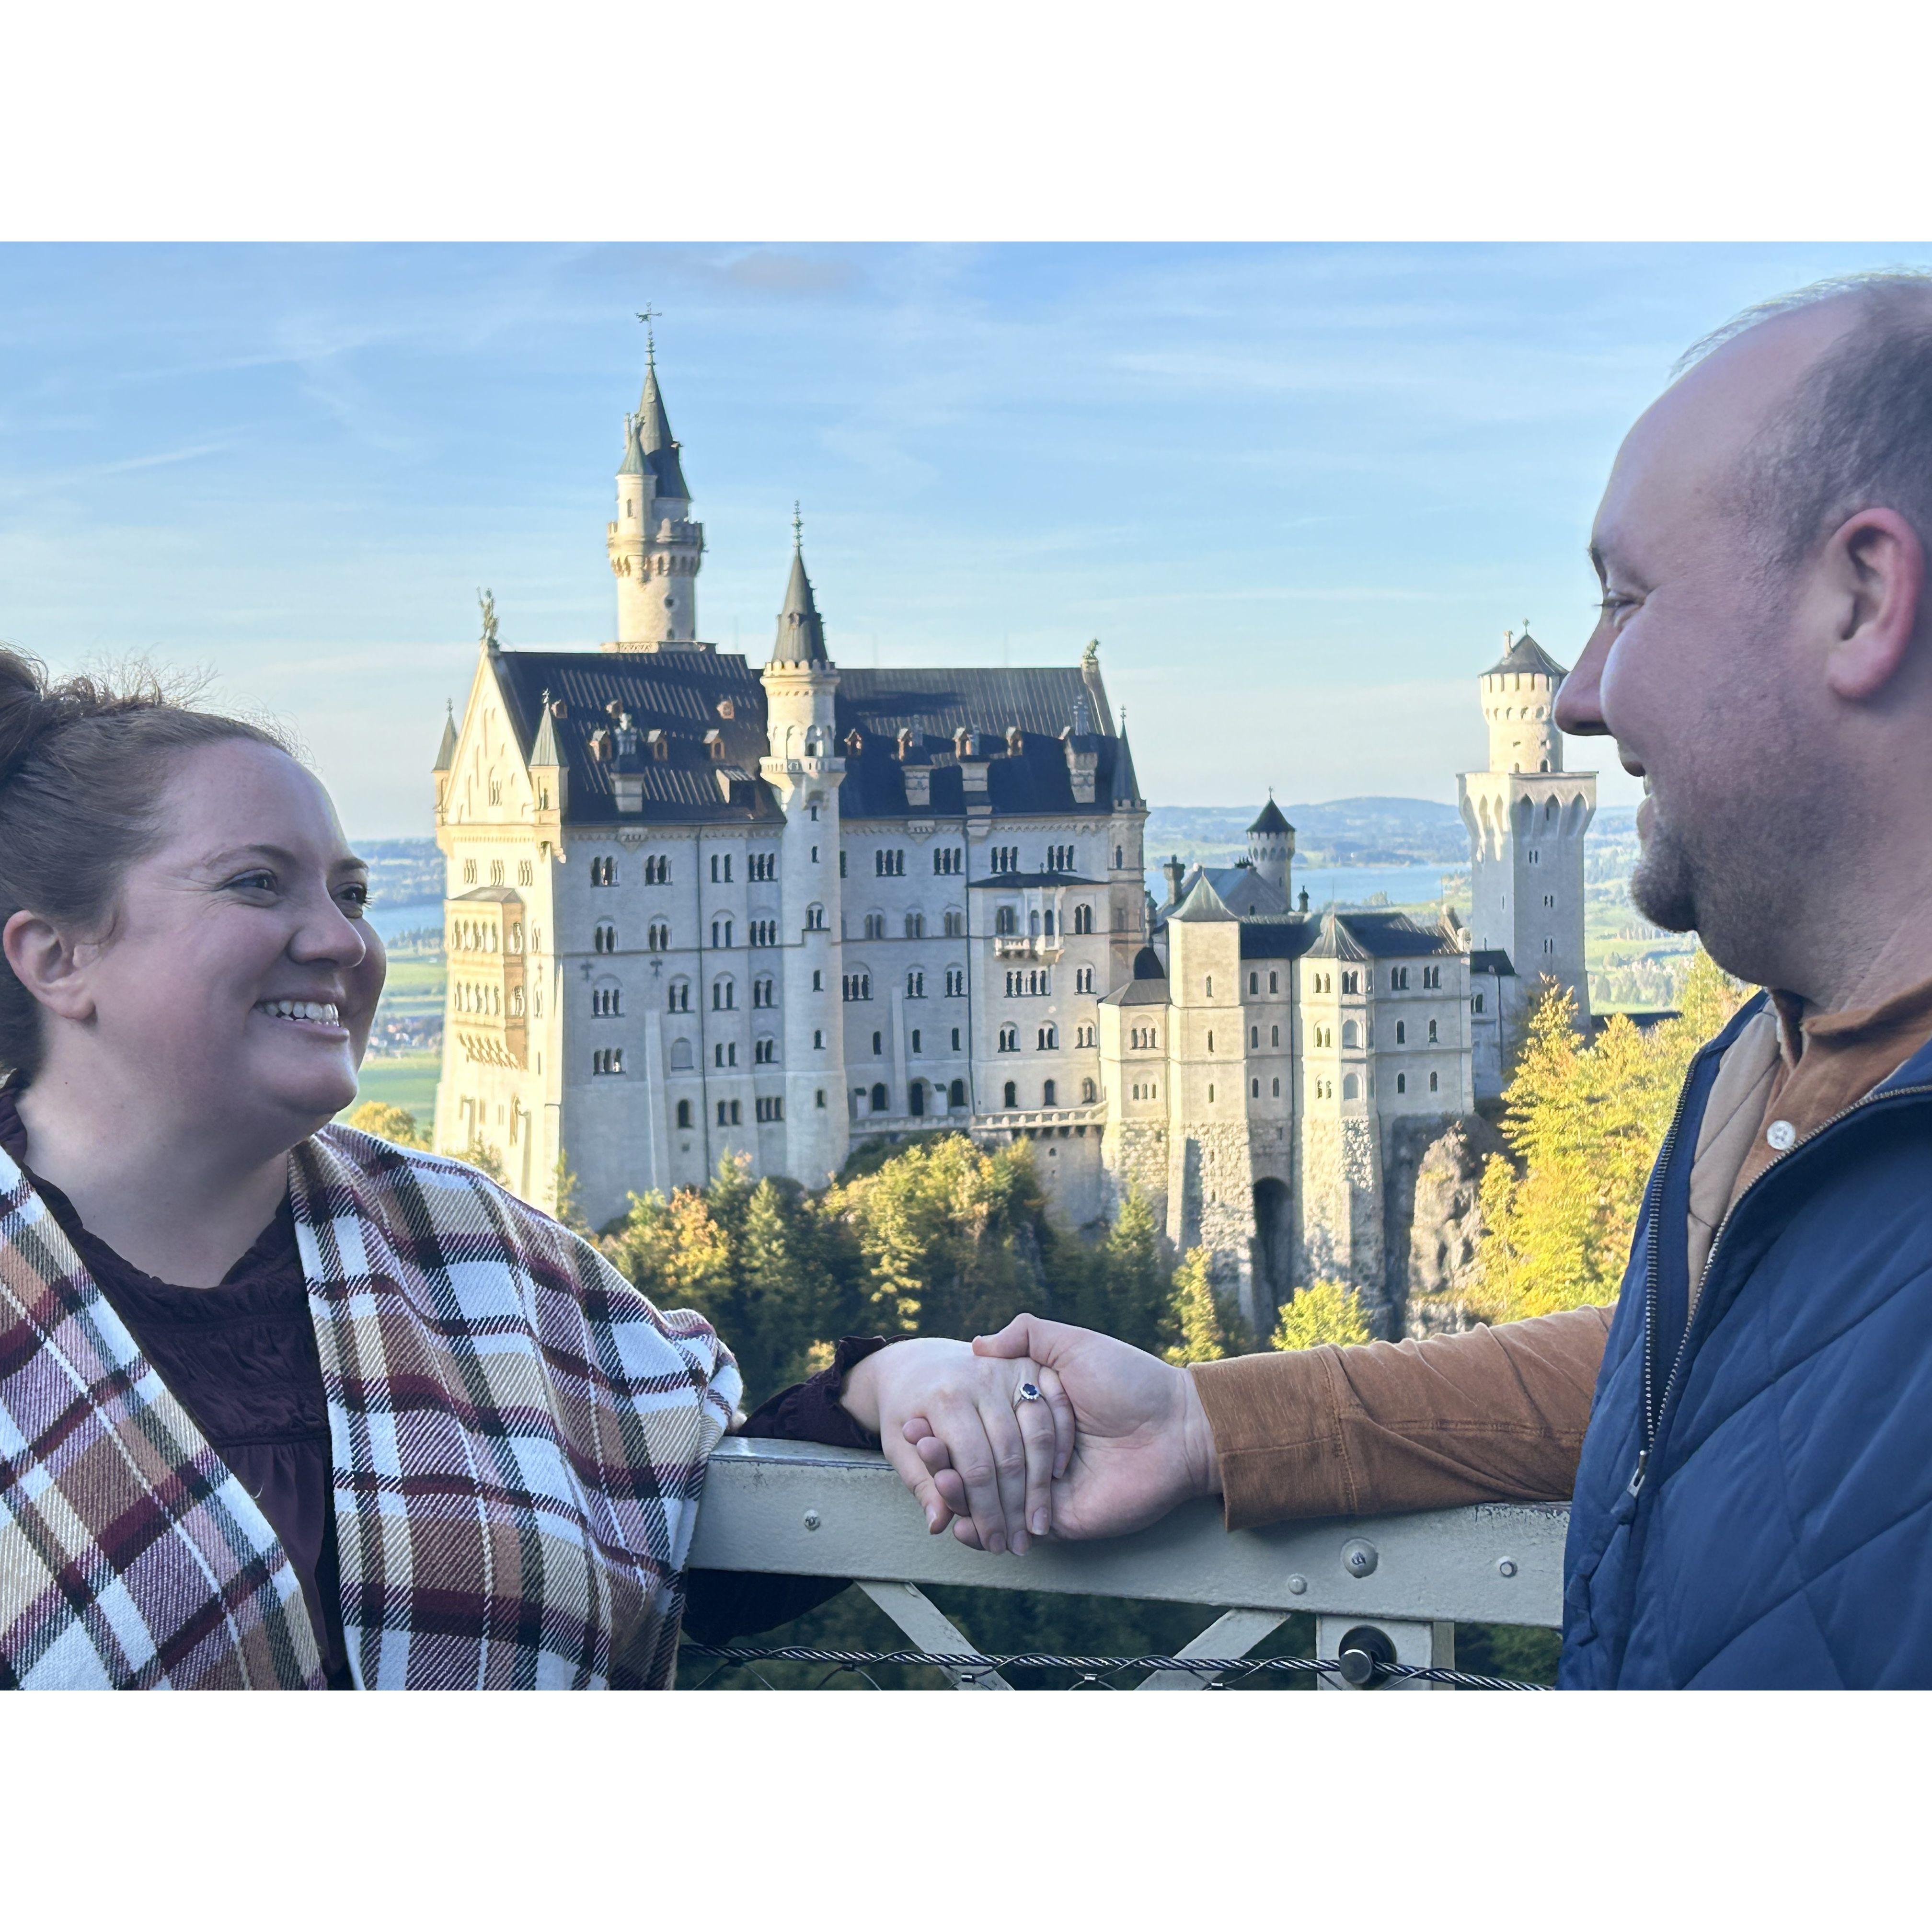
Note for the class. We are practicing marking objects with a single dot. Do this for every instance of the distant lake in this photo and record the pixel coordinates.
(1354, 885)
(389, 919)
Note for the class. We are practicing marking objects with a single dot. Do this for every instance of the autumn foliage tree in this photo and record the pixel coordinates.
(1324, 1312)
(1583, 1122)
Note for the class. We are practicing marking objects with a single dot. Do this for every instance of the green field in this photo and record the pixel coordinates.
(406, 1080)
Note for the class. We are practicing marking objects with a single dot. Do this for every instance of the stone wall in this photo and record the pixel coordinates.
(1338, 1219)
(1133, 1153)
(1209, 1182)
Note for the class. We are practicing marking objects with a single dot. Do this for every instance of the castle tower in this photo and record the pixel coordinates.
(1526, 818)
(1209, 1177)
(803, 767)
(655, 550)
(1271, 847)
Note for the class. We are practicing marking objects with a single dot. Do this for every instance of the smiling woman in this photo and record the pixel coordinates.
(266, 1432)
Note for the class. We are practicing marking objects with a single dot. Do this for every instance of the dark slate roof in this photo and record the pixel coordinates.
(933, 705)
(1526, 655)
(1492, 959)
(1137, 993)
(1278, 938)
(1203, 902)
(492, 895)
(675, 692)
(660, 446)
(1123, 786)
(1241, 890)
(1393, 935)
(1147, 964)
(993, 881)
(1271, 820)
(1333, 940)
(446, 752)
(801, 637)
(633, 464)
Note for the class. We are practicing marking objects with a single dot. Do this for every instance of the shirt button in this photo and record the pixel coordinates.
(1782, 1135)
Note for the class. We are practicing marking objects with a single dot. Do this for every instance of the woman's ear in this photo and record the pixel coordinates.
(1878, 564)
(49, 964)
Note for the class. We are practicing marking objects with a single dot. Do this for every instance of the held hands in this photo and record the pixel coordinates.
(1141, 1442)
(1000, 1454)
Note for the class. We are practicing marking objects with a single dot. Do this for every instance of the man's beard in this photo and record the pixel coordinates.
(1663, 882)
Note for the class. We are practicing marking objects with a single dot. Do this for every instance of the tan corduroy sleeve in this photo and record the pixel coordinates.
(1497, 1415)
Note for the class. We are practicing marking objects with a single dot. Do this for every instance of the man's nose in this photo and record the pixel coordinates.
(1578, 709)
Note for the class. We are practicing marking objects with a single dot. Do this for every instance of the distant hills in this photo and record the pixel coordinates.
(1341, 832)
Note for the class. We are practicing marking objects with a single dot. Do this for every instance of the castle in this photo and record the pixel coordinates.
(696, 910)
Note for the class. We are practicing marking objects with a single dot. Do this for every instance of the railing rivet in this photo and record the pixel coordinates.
(1506, 1566)
(1359, 1559)
(812, 1519)
(1296, 1586)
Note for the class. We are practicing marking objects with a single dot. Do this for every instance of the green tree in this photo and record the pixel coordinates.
(1196, 1318)
(952, 1238)
(1125, 1289)
(388, 1123)
(1324, 1311)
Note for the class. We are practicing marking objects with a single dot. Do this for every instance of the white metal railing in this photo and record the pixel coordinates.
(797, 1509)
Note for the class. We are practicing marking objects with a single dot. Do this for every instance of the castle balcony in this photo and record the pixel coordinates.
(1027, 946)
(1385, 1595)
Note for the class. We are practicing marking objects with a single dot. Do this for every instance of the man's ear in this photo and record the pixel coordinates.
(49, 964)
(1876, 565)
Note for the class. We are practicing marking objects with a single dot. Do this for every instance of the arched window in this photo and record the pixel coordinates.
(1277, 1089)
(1435, 1084)
(1431, 1032)
(517, 937)
(1049, 1038)
(681, 1057)
(1274, 982)
(677, 997)
(955, 1094)
(916, 1099)
(875, 925)
(605, 938)
(1083, 918)
(1254, 1090)
(915, 925)
(1402, 1083)
(1254, 983)
(879, 1101)
(1089, 1093)
(684, 1113)
(658, 938)
(1401, 1032)
(1005, 921)
(516, 1001)
(724, 995)
(1350, 1036)
(1011, 1096)
(1047, 1093)
(1254, 1036)
(1351, 1087)
(814, 918)
(1274, 1036)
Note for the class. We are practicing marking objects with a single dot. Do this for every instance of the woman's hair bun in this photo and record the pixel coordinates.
(26, 710)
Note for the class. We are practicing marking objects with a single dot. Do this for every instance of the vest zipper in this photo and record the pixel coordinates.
(1653, 1418)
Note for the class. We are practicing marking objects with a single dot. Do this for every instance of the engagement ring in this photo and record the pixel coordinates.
(1026, 1392)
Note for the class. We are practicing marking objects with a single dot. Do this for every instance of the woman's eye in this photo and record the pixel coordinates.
(358, 897)
(255, 882)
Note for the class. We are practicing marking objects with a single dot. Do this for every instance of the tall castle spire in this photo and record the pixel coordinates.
(801, 637)
(656, 549)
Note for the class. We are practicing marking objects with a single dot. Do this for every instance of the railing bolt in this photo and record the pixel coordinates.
(1296, 1586)
(1506, 1566)
(1359, 1559)
(812, 1519)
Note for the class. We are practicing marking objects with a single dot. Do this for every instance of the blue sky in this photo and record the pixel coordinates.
(1297, 492)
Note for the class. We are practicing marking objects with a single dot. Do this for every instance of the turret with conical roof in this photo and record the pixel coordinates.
(1271, 847)
(1519, 704)
(801, 637)
(655, 550)
(445, 754)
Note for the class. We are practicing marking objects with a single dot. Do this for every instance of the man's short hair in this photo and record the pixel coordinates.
(1857, 435)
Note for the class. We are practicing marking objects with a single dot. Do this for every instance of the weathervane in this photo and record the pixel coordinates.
(797, 527)
(646, 315)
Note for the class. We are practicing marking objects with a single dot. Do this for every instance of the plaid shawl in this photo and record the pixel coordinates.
(519, 1442)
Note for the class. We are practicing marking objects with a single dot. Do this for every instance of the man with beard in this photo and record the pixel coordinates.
(1747, 1436)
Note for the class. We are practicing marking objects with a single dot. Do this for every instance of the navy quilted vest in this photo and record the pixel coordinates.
(1780, 1532)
